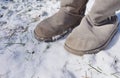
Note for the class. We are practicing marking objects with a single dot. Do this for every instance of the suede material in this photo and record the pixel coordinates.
(69, 16)
(96, 29)
(102, 9)
(56, 24)
(88, 37)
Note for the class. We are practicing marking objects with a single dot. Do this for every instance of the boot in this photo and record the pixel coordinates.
(69, 16)
(96, 29)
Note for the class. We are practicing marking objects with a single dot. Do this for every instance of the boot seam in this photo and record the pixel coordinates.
(96, 23)
(76, 15)
(83, 6)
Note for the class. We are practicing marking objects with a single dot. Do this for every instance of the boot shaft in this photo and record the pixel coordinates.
(73, 6)
(102, 9)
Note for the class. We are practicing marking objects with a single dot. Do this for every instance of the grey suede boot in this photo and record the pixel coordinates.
(69, 16)
(96, 29)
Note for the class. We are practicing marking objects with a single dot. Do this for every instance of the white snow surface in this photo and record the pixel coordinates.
(22, 56)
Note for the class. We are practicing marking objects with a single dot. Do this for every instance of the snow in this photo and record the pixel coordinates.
(22, 56)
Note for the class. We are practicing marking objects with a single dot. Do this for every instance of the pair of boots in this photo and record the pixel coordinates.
(95, 31)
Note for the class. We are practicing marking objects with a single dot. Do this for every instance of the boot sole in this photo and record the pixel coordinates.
(55, 38)
(94, 51)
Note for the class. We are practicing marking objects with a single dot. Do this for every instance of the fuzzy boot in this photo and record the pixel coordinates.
(96, 29)
(69, 16)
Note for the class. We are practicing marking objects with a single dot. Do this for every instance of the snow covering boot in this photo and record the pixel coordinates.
(96, 29)
(69, 16)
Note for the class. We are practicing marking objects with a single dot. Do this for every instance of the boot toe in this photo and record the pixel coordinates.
(81, 44)
(42, 30)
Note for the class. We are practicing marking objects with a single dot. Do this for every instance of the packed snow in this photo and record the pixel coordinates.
(22, 56)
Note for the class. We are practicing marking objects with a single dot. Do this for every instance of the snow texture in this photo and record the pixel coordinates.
(22, 56)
